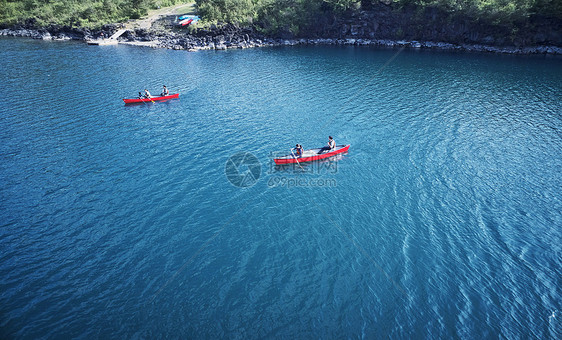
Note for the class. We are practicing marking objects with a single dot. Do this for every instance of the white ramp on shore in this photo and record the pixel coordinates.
(118, 34)
(109, 41)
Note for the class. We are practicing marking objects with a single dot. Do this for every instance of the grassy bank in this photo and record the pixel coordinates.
(75, 13)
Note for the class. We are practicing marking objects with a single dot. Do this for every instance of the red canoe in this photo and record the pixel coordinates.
(311, 155)
(150, 100)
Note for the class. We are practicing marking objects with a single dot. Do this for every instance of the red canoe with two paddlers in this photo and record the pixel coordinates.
(311, 155)
(151, 99)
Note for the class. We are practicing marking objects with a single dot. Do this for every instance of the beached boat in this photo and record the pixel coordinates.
(186, 22)
(311, 155)
(187, 16)
(150, 100)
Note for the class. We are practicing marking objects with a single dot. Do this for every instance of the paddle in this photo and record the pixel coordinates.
(147, 98)
(151, 100)
(296, 160)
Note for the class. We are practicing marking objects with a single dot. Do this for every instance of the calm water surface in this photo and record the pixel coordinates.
(444, 220)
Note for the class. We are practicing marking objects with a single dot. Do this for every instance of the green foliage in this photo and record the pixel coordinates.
(274, 15)
(340, 5)
(287, 15)
(271, 15)
(492, 11)
(242, 11)
(86, 13)
(551, 8)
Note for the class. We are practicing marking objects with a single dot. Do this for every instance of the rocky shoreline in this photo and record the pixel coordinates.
(229, 36)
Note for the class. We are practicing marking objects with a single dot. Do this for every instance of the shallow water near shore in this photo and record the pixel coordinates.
(444, 219)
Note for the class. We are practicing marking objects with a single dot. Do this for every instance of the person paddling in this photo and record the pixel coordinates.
(147, 94)
(140, 95)
(165, 91)
(331, 143)
(298, 150)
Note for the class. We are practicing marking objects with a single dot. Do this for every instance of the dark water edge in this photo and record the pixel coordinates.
(232, 37)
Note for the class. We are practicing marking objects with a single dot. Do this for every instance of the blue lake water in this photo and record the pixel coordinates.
(444, 219)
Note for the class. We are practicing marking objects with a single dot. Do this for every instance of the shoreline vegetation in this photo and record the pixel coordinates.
(498, 26)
